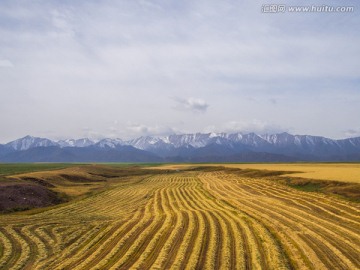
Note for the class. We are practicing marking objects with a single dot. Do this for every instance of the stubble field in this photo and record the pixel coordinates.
(208, 217)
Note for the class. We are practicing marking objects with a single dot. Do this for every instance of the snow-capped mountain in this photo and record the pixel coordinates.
(109, 143)
(84, 142)
(302, 146)
(200, 147)
(196, 140)
(29, 142)
(146, 142)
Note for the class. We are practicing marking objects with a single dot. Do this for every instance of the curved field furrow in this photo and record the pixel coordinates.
(222, 242)
(216, 244)
(7, 244)
(46, 239)
(205, 230)
(182, 255)
(175, 234)
(278, 211)
(255, 247)
(86, 251)
(198, 252)
(157, 243)
(14, 248)
(313, 223)
(142, 240)
(228, 256)
(195, 237)
(329, 260)
(328, 212)
(344, 205)
(206, 203)
(20, 252)
(298, 215)
(264, 218)
(36, 245)
(229, 215)
(291, 219)
(69, 246)
(288, 235)
(101, 247)
(246, 249)
(317, 206)
(208, 247)
(196, 219)
(321, 227)
(259, 248)
(343, 209)
(114, 248)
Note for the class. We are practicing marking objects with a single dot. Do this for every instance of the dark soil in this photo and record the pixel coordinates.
(38, 181)
(79, 178)
(16, 197)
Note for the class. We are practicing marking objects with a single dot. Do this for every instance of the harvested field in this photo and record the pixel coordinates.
(195, 219)
(343, 172)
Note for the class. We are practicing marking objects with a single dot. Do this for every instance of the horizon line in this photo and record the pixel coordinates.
(174, 134)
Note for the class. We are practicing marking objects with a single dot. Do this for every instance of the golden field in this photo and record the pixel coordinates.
(346, 172)
(200, 218)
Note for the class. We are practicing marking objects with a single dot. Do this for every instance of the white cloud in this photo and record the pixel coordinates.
(255, 125)
(87, 132)
(352, 132)
(195, 105)
(62, 24)
(6, 63)
(145, 130)
(90, 61)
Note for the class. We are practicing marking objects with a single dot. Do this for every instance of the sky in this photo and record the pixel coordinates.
(130, 68)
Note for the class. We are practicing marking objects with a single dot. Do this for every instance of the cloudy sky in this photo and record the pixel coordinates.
(136, 67)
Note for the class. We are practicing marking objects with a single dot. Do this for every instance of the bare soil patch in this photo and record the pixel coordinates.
(15, 197)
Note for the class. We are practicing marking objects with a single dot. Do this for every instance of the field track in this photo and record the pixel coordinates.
(187, 220)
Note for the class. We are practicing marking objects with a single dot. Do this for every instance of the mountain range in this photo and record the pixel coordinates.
(199, 147)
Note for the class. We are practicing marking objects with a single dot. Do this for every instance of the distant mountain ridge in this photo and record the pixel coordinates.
(198, 147)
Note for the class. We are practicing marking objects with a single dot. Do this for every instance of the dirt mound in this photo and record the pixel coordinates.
(15, 197)
(38, 181)
(80, 178)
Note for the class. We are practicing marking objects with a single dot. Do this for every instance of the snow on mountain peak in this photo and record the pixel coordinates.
(278, 143)
(28, 142)
(213, 135)
(111, 143)
(84, 142)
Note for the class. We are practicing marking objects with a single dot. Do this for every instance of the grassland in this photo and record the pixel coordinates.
(16, 168)
(193, 218)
